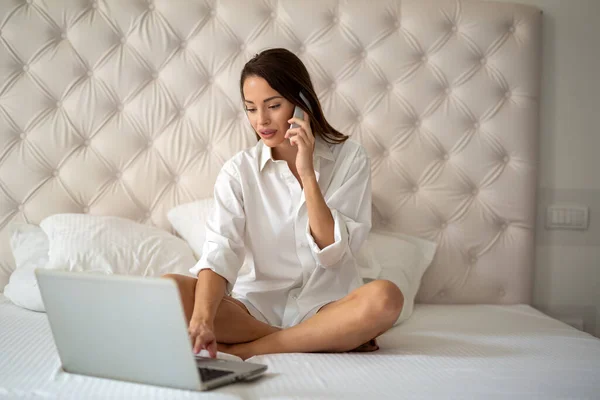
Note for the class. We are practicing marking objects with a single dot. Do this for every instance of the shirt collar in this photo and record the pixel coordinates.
(322, 150)
(264, 152)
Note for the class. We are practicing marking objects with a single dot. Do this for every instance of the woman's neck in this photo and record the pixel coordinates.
(285, 151)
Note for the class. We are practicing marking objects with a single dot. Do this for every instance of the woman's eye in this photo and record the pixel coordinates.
(250, 110)
(273, 107)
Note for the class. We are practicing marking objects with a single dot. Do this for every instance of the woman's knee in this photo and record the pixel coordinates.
(180, 279)
(383, 300)
(186, 286)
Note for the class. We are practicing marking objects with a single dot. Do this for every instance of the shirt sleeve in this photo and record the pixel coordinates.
(223, 251)
(350, 207)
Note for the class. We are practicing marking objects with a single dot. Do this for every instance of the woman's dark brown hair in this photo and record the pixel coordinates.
(286, 74)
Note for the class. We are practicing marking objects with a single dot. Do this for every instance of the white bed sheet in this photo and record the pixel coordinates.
(472, 351)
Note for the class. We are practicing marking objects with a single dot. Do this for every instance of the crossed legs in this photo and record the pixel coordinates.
(340, 326)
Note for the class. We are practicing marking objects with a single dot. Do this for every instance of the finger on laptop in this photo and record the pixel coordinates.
(197, 345)
(212, 349)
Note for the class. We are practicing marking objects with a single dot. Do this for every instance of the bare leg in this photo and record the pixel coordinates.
(233, 322)
(340, 326)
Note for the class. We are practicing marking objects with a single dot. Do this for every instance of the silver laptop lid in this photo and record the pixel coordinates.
(119, 327)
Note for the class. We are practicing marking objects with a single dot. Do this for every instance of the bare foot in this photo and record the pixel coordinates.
(371, 345)
(240, 349)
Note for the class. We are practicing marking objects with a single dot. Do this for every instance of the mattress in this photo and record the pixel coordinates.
(442, 351)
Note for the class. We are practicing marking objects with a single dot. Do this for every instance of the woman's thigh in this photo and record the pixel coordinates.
(233, 322)
(187, 291)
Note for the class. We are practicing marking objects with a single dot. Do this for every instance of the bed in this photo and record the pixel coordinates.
(442, 351)
(444, 95)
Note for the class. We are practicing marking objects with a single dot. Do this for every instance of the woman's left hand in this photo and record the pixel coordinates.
(304, 139)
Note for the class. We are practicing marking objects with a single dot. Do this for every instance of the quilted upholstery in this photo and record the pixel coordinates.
(128, 107)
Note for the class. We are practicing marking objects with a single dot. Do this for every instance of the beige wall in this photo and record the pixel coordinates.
(567, 278)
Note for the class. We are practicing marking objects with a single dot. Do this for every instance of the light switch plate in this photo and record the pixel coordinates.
(567, 216)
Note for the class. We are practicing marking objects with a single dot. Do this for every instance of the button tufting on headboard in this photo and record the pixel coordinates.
(125, 108)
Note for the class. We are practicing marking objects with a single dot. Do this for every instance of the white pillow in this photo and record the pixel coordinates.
(113, 245)
(29, 245)
(401, 259)
(189, 220)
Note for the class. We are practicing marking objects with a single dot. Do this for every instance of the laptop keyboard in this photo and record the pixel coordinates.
(209, 373)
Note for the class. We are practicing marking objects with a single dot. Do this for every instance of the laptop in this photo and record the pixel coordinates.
(130, 329)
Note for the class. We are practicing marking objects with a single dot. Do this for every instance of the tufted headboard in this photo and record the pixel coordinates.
(129, 107)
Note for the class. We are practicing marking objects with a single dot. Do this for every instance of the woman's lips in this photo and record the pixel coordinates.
(266, 133)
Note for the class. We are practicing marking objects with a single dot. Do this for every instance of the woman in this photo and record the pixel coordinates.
(294, 210)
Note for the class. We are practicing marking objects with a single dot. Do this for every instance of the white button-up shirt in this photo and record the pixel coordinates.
(260, 223)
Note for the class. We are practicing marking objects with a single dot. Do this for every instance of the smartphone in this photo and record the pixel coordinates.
(298, 112)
